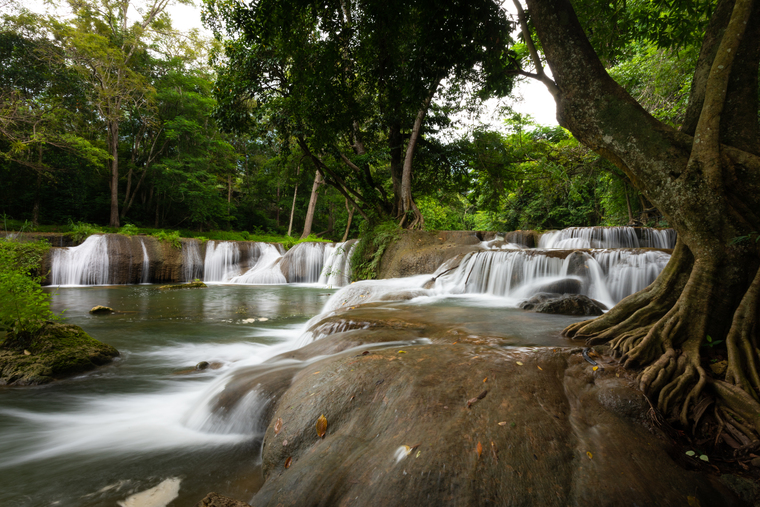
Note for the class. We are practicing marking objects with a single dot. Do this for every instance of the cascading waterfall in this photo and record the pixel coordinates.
(145, 278)
(305, 261)
(222, 261)
(336, 271)
(86, 264)
(192, 264)
(627, 272)
(265, 270)
(607, 237)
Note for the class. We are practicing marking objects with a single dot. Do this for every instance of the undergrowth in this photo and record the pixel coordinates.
(370, 249)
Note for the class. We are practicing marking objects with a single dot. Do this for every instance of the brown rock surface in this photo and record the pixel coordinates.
(217, 500)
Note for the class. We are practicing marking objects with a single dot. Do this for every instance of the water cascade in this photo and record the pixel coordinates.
(336, 270)
(192, 264)
(145, 278)
(304, 262)
(86, 264)
(266, 269)
(608, 237)
(222, 261)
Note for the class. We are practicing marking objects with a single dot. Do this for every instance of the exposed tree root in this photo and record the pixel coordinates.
(741, 343)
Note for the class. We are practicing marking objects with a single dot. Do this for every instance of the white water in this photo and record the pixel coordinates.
(192, 264)
(86, 264)
(222, 261)
(336, 271)
(145, 264)
(607, 237)
(266, 270)
(305, 261)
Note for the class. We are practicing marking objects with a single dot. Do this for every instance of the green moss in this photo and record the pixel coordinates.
(190, 285)
(56, 351)
(370, 249)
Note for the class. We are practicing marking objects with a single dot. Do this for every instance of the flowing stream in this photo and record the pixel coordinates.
(150, 430)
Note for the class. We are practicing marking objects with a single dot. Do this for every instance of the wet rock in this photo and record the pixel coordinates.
(217, 500)
(420, 252)
(526, 238)
(577, 264)
(571, 304)
(98, 310)
(195, 284)
(530, 304)
(58, 351)
(549, 432)
(564, 286)
(202, 365)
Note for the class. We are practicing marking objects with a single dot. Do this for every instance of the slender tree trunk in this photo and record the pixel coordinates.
(113, 131)
(37, 190)
(350, 210)
(628, 204)
(397, 163)
(407, 203)
(278, 204)
(293, 207)
(312, 205)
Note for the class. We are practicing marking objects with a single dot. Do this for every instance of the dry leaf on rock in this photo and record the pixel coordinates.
(321, 426)
(479, 449)
(288, 462)
(278, 426)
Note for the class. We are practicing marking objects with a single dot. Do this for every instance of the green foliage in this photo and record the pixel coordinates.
(79, 231)
(171, 237)
(710, 342)
(129, 229)
(370, 249)
(24, 307)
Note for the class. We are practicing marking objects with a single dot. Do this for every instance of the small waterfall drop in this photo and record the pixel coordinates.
(305, 262)
(192, 264)
(145, 278)
(336, 271)
(266, 269)
(222, 261)
(86, 264)
(607, 237)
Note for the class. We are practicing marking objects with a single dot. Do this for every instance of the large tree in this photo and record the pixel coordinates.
(705, 178)
(354, 81)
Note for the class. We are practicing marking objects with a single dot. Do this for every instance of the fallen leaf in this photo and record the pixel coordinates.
(288, 462)
(479, 449)
(690, 453)
(503, 423)
(402, 351)
(485, 379)
(285, 442)
(540, 368)
(365, 352)
(588, 453)
(483, 394)
(595, 368)
(315, 373)
(704, 458)
(519, 363)
(321, 426)
(471, 401)
(455, 343)
(278, 426)
(418, 454)
(493, 450)
(617, 374)
(693, 501)
(27, 353)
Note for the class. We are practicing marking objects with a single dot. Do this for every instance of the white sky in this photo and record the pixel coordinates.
(530, 97)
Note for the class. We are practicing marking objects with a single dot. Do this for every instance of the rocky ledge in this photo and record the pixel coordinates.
(442, 417)
(58, 351)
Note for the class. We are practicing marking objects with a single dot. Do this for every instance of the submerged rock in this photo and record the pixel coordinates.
(101, 310)
(563, 304)
(58, 351)
(189, 285)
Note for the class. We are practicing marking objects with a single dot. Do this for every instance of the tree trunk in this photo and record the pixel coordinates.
(312, 205)
(706, 182)
(113, 132)
(407, 203)
(397, 162)
(293, 207)
(348, 224)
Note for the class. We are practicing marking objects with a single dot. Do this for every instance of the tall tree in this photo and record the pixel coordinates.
(104, 42)
(705, 178)
(354, 81)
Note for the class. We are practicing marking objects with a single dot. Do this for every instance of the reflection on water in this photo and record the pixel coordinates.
(146, 421)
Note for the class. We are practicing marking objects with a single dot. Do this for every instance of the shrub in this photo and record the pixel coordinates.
(129, 229)
(370, 249)
(79, 231)
(170, 237)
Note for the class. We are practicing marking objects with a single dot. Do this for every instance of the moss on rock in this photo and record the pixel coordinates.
(57, 351)
(190, 285)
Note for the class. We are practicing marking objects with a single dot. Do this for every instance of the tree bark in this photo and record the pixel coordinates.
(348, 224)
(113, 132)
(312, 205)
(705, 180)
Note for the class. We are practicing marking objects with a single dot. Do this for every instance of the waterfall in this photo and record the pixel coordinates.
(629, 271)
(86, 264)
(304, 262)
(266, 269)
(607, 237)
(145, 264)
(192, 265)
(222, 261)
(336, 271)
